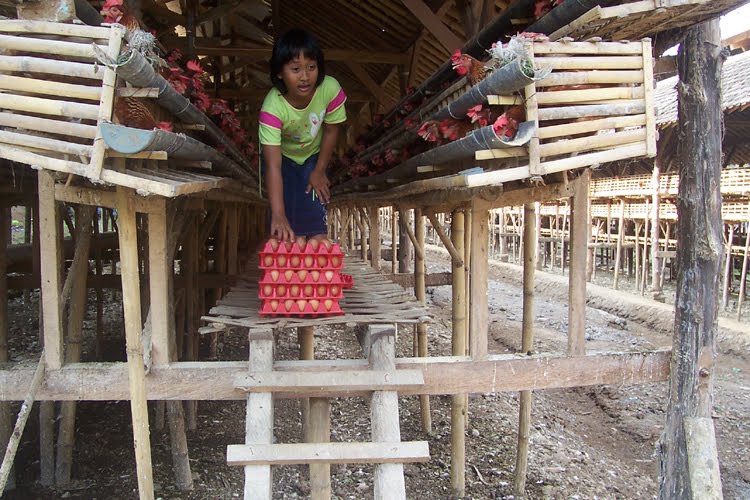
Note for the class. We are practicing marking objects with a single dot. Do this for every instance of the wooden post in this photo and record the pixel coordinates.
(620, 238)
(389, 478)
(527, 344)
(743, 276)
(699, 247)
(562, 238)
(577, 279)
(467, 275)
(6, 422)
(420, 292)
(458, 348)
(163, 345)
(728, 267)
(646, 235)
(655, 259)
(375, 237)
(51, 288)
(259, 419)
(404, 243)
(316, 421)
(538, 233)
(132, 309)
(478, 320)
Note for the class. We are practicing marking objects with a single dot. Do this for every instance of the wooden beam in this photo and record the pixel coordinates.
(406, 280)
(338, 382)
(434, 25)
(442, 375)
(366, 80)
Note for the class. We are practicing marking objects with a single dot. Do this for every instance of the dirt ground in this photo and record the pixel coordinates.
(592, 442)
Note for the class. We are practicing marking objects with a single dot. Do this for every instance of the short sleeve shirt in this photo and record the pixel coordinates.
(298, 131)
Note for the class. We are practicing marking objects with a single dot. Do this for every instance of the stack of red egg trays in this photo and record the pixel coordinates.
(300, 279)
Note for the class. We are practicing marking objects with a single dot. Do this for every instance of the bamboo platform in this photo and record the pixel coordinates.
(372, 300)
(635, 20)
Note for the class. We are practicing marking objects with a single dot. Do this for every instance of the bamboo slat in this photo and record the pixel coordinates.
(573, 96)
(574, 128)
(48, 125)
(592, 77)
(624, 62)
(40, 65)
(598, 48)
(44, 143)
(47, 87)
(55, 47)
(49, 106)
(585, 111)
(592, 142)
(43, 27)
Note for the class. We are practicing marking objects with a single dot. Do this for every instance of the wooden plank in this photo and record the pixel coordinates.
(442, 375)
(579, 236)
(649, 86)
(259, 422)
(328, 453)
(406, 280)
(159, 276)
(533, 99)
(338, 382)
(479, 266)
(702, 458)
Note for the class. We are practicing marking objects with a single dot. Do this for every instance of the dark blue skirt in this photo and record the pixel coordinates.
(306, 215)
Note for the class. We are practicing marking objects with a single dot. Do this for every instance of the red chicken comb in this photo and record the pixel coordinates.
(112, 3)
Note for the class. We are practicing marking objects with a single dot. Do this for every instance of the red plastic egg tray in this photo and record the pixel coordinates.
(301, 278)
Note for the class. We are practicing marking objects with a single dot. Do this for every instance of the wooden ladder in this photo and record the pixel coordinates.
(382, 380)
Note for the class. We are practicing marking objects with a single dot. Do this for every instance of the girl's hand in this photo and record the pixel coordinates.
(280, 228)
(319, 182)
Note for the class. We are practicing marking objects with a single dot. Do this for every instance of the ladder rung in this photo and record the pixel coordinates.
(330, 453)
(329, 382)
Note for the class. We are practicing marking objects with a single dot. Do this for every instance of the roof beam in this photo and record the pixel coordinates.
(371, 85)
(253, 7)
(208, 47)
(434, 24)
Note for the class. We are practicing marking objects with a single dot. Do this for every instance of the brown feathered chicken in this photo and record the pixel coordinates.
(506, 124)
(131, 112)
(464, 64)
(114, 11)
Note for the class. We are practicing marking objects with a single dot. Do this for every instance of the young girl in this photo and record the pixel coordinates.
(298, 130)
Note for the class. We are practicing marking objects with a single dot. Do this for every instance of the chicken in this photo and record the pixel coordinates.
(114, 12)
(464, 64)
(479, 114)
(541, 8)
(131, 112)
(507, 124)
(452, 130)
(429, 131)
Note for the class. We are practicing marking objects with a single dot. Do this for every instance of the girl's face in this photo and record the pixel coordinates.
(300, 76)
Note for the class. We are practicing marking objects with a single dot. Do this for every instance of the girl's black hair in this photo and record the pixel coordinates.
(290, 45)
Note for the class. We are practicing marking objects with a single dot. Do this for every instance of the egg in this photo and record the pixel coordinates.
(322, 260)
(301, 303)
(274, 244)
(335, 260)
(294, 260)
(274, 275)
(288, 304)
(294, 290)
(301, 241)
(328, 303)
(307, 290)
(274, 305)
(315, 275)
(314, 304)
(281, 260)
(321, 290)
(302, 275)
(267, 290)
(335, 290)
(288, 246)
(326, 243)
(288, 274)
(329, 275)
(314, 244)
(268, 260)
(309, 261)
(280, 290)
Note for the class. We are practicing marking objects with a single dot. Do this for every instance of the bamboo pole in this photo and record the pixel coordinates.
(6, 423)
(106, 101)
(609, 123)
(23, 415)
(49, 106)
(579, 96)
(620, 238)
(452, 250)
(655, 234)
(420, 292)
(468, 240)
(25, 64)
(559, 78)
(44, 27)
(646, 236)
(743, 276)
(31, 141)
(562, 239)
(459, 405)
(375, 237)
(77, 276)
(47, 125)
(592, 142)
(620, 108)
(47, 87)
(133, 325)
(47, 47)
(637, 253)
(259, 419)
(584, 62)
(527, 345)
(577, 277)
(394, 239)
